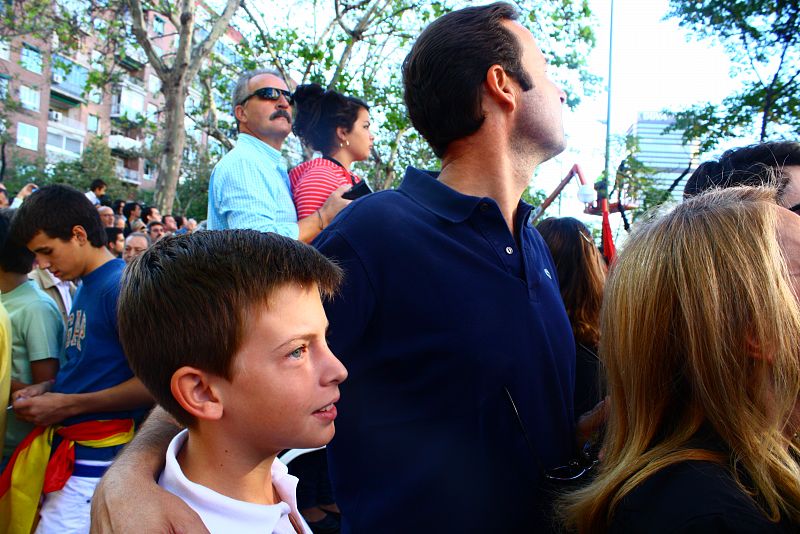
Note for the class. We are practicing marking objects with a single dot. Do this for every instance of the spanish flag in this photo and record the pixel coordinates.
(33, 470)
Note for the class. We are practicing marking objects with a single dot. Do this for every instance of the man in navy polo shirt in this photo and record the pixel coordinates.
(459, 350)
(450, 323)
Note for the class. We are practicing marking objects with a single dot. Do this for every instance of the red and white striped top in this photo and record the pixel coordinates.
(313, 182)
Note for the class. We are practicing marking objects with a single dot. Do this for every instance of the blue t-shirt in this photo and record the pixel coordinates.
(461, 363)
(94, 356)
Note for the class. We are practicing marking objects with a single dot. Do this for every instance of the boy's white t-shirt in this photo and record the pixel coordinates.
(223, 514)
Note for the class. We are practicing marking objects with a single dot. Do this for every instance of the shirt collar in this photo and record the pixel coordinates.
(425, 188)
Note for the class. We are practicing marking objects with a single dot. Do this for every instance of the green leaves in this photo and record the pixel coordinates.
(762, 38)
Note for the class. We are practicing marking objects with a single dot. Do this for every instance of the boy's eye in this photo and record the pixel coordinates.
(297, 353)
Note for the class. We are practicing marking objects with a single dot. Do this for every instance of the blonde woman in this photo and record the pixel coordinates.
(700, 342)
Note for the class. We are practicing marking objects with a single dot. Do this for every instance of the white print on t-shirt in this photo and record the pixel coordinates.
(76, 329)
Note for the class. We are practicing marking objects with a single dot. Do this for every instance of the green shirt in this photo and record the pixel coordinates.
(37, 333)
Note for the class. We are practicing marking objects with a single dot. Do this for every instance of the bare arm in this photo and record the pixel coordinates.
(45, 408)
(129, 486)
(311, 226)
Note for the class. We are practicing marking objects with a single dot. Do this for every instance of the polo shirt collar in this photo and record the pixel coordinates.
(425, 188)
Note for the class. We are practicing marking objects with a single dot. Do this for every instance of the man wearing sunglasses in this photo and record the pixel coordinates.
(250, 186)
(775, 162)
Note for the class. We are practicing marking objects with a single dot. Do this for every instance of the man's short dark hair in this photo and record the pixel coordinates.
(14, 256)
(206, 285)
(151, 224)
(96, 184)
(56, 210)
(128, 208)
(111, 234)
(753, 165)
(146, 213)
(447, 65)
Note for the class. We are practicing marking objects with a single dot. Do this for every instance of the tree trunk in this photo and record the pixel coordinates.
(174, 139)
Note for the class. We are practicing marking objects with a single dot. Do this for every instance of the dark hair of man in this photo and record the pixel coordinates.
(96, 184)
(151, 224)
(581, 274)
(208, 286)
(128, 208)
(179, 221)
(320, 113)
(14, 256)
(447, 65)
(146, 212)
(56, 210)
(753, 165)
(111, 235)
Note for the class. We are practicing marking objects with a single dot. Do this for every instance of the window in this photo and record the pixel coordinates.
(153, 84)
(31, 58)
(63, 143)
(93, 124)
(27, 136)
(3, 87)
(96, 96)
(158, 25)
(152, 112)
(5, 51)
(29, 97)
(131, 103)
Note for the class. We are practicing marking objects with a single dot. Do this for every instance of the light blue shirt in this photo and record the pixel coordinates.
(250, 189)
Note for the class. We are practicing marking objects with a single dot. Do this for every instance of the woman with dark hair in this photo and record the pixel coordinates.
(581, 276)
(337, 126)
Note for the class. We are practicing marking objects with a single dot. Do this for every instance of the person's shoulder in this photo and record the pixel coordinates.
(691, 496)
(40, 302)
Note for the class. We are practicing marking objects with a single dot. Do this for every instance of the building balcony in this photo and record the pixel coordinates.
(132, 58)
(128, 175)
(121, 143)
(59, 121)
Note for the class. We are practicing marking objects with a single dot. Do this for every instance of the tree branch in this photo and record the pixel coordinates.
(202, 50)
(265, 38)
(140, 32)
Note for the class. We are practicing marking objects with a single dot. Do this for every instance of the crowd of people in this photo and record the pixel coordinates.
(445, 365)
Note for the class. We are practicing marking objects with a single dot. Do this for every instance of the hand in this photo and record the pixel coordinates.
(333, 205)
(121, 496)
(26, 191)
(33, 390)
(591, 422)
(44, 409)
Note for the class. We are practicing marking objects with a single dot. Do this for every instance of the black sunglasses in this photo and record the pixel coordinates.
(269, 93)
(795, 208)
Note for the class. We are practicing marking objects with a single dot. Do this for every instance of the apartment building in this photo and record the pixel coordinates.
(57, 116)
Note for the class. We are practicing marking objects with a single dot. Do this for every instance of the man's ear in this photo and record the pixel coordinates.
(500, 88)
(240, 113)
(196, 392)
(79, 233)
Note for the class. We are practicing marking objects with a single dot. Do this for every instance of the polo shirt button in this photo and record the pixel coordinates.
(484, 206)
(509, 250)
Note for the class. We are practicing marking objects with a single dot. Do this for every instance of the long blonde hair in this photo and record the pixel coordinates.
(698, 319)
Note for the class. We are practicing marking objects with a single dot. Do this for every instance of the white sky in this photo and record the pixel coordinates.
(655, 67)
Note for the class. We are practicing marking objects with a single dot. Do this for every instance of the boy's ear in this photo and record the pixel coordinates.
(79, 233)
(196, 392)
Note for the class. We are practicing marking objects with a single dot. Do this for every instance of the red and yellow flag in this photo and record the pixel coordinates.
(33, 470)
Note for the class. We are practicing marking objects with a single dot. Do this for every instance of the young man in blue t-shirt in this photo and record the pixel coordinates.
(94, 400)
